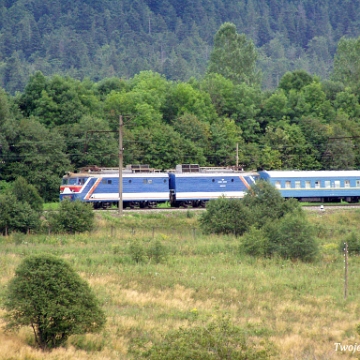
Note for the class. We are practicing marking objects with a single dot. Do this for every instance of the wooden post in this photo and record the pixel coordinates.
(346, 270)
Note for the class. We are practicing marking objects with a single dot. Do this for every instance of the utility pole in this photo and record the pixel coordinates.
(237, 156)
(120, 166)
(121, 154)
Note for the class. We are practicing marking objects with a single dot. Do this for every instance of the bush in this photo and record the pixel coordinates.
(353, 242)
(49, 296)
(261, 205)
(137, 251)
(293, 238)
(266, 203)
(157, 252)
(255, 242)
(218, 340)
(73, 216)
(16, 216)
(225, 216)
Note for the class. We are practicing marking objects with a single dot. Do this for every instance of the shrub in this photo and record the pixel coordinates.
(266, 203)
(73, 216)
(49, 296)
(157, 252)
(16, 216)
(293, 238)
(218, 340)
(254, 242)
(261, 205)
(137, 251)
(225, 216)
(353, 242)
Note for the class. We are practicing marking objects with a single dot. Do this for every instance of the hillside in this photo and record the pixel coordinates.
(105, 38)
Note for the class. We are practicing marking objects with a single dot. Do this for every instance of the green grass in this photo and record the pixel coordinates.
(51, 206)
(165, 205)
(299, 307)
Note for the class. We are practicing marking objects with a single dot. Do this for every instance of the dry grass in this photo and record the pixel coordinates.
(298, 307)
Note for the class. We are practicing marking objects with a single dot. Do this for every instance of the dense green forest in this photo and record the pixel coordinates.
(69, 70)
(59, 123)
(105, 38)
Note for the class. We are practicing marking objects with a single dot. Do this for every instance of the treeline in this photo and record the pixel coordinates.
(106, 38)
(59, 123)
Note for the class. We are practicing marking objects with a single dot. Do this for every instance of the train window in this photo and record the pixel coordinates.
(144, 181)
(109, 182)
(347, 183)
(164, 181)
(308, 184)
(149, 181)
(232, 180)
(82, 181)
(327, 184)
(337, 183)
(213, 180)
(278, 184)
(287, 184)
(357, 183)
(130, 181)
(297, 184)
(317, 184)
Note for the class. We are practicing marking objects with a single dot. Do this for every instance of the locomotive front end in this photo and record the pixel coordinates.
(71, 186)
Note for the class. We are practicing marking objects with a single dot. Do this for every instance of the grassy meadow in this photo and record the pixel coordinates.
(297, 309)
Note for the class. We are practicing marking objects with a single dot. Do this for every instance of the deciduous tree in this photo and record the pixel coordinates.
(346, 62)
(47, 295)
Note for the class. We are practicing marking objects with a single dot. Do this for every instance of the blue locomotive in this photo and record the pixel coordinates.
(187, 185)
(142, 186)
(191, 185)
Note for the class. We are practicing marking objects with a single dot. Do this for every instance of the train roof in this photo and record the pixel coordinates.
(311, 173)
(116, 175)
(94, 170)
(196, 169)
(214, 174)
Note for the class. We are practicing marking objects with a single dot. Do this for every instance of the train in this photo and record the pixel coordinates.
(316, 186)
(189, 185)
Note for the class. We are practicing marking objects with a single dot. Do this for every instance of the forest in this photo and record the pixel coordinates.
(59, 123)
(106, 38)
(279, 80)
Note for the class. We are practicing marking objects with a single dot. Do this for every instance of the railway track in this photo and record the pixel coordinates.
(330, 207)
